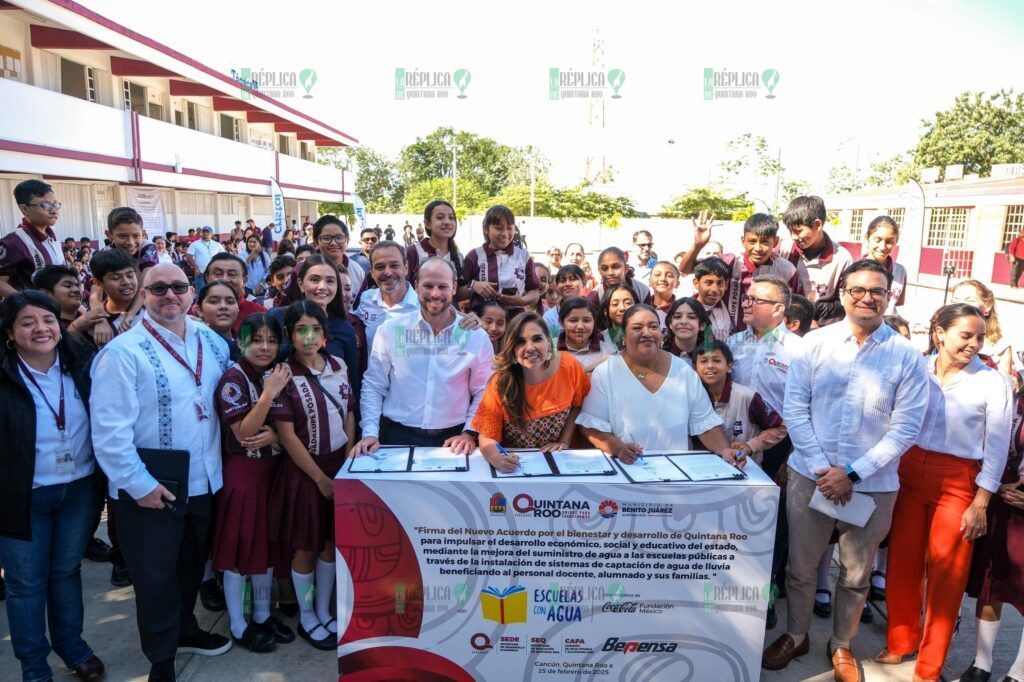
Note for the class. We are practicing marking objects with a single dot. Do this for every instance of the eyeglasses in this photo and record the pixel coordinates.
(369, 240)
(754, 300)
(160, 289)
(878, 293)
(333, 238)
(48, 205)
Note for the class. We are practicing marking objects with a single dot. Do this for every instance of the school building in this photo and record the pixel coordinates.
(111, 117)
(964, 228)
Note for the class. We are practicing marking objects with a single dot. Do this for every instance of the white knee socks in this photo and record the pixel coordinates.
(1017, 669)
(261, 596)
(234, 586)
(324, 589)
(304, 596)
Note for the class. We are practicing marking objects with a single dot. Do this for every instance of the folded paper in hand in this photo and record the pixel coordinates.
(857, 511)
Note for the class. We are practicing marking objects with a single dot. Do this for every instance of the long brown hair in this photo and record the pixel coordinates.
(993, 332)
(508, 373)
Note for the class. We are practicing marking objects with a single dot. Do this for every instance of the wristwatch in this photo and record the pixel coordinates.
(474, 434)
(851, 474)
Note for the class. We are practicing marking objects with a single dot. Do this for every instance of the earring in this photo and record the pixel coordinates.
(10, 344)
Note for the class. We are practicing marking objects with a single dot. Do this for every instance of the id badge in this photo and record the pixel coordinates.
(202, 414)
(65, 460)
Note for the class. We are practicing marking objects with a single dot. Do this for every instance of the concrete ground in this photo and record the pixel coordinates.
(110, 629)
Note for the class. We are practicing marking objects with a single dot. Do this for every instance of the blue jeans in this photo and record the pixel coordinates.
(44, 581)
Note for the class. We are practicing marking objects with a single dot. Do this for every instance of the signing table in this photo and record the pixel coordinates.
(574, 567)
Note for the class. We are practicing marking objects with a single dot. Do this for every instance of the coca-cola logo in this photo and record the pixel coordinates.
(620, 607)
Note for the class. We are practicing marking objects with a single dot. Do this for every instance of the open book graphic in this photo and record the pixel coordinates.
(504, 605)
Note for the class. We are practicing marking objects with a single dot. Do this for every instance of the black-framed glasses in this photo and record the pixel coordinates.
(754, 300)
(857, 293)
(48, 205)
(369, 240)
(160, 289)
(333, 238)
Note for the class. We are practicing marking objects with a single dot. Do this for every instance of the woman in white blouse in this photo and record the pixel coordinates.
(946, 481)
(646, 398)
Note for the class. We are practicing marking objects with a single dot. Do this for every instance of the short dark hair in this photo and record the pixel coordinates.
(238, 222)
(281, 262)
(640, 232)
(712, 266)
(828, 309)
(365, 230)
(123, 215)
(254, 322)
(865, 264)
(779, 284)
(761, 224)
(47, 278)
(800, 308)
(708, 348)
(205, 291)
(225, 256)
(496, 214)
(567, 272)
(107, 261)
(27, 189)
(895, 322)
(304, 248)
(804, 211)
(326, 220)
(577, 303)
(386, 244)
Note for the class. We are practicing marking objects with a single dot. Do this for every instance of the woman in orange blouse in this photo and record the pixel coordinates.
(534, 396)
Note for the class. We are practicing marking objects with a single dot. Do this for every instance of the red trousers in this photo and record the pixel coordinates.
(928, 558)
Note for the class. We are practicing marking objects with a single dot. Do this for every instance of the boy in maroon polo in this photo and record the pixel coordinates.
(33, 245)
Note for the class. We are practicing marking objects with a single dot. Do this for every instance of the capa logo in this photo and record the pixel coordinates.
(526, 504)
(480, 642)
(626, 647)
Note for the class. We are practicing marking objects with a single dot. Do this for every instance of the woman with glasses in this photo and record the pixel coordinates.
(330, 236)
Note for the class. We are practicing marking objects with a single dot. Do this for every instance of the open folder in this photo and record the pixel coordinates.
(857, 511)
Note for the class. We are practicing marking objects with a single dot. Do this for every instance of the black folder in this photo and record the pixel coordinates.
(168, 467)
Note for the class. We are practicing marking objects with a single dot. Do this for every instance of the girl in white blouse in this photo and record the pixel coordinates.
(646, 398)
(946, 481)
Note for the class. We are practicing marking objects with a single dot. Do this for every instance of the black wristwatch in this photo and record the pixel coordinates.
(852, 475)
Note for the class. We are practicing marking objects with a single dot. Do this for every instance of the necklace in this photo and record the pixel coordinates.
(642, 374)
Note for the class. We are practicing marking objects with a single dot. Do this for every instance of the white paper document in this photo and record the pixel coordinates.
(531, 463)
(582, 462)
(857, 511)
(706, 467)
(383, 459)
(437, 459)
(651, 469)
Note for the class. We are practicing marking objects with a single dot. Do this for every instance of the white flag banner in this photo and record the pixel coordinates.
(360, 209)
(277, 199)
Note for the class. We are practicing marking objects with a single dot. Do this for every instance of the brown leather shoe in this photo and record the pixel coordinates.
(889, 658)
(783, 650)
(92, 669)
(844, 665)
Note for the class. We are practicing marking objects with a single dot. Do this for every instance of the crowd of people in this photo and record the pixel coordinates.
(205, 394)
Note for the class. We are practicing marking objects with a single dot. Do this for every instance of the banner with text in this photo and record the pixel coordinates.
(149, 202)
(523, 580)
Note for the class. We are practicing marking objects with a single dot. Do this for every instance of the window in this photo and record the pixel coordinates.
(282, 144)
(73, 80)
(156, 111)
(306, 151)
(897, 215)
(196, 203)
(262, 206)
(135, 98)
(857, 225)
(193, 115)
(229, 128)
(232, 205)
(90, 84)
(179, 118)
(947, 228)
(1013, 225)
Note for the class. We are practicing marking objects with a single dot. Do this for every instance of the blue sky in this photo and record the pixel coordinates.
(855, 80)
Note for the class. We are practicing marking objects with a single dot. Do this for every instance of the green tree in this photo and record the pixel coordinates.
(978, 130)
(897, 170)
(750, 154)
(471, 197)
(378, 180)
(517, 198)
(723, 205)
(842, 180)
(578, 203)
(480, 159)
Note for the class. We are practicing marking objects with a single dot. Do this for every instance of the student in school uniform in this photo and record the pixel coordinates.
(799, 315)
(218, 309)
(63, 284)
(614, 304)
(440, 225)
(242, 546)
(614, 271)
(881, 238)
(318, 280)
(759, 241)
(577, 318)
(493, 320)
(687, 326)
(227, 267)
(116, 277)
(823, 259)
(125, 233)
(33, 244)
(664, 280)
(500, 270)
(946, 482)
(426, 373)
(711, 280)
(533, 397)
(568, 283)
(277, 278)
(316, 426)
(747, 419)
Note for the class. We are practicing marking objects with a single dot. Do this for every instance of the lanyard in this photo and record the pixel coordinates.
(58, 415)
(197, 374)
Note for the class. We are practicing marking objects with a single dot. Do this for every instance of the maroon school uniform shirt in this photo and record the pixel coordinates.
(417, 252)
(318, 423)
(508, 268)
(146, 257)
(237, 393)
(26, 250)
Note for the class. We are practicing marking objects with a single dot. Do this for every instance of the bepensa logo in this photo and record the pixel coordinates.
(480, 642)
(627, 647)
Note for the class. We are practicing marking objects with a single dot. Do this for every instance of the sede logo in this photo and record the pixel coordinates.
(626, 647)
